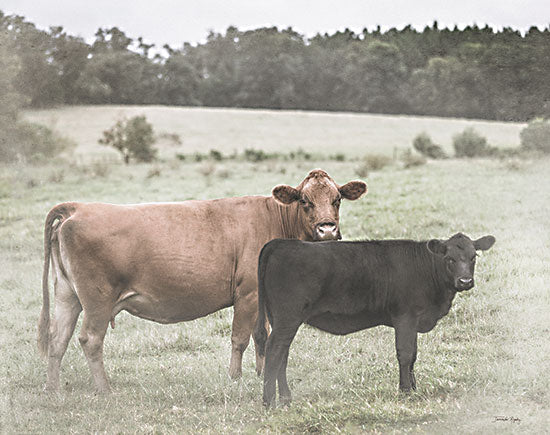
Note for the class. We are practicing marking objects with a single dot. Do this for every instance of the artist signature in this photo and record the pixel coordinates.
(506, 418)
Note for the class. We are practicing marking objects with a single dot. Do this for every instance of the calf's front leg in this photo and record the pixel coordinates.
(406, 347)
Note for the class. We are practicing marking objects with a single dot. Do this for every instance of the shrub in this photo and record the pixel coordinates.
(173, 139)
(411, 159)
(29, 142)
(253, 155)
(299, 154)
(207, 170)
(223, 173)
(536, 136)
(339, 157)
(425, 146)
(133, 138)
(216, 155)
(372, 162)
(155, 171)
(470, 143)
(100, 169)
(57, 176)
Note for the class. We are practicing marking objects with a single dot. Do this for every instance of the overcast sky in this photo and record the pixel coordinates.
(178, 21)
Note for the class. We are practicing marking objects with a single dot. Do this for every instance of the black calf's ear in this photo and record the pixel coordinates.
(484, 243)
(285, 194)
(353, 190)
(436, 247)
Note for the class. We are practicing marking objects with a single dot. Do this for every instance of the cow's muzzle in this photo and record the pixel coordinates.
(464, 283)
(327, 231)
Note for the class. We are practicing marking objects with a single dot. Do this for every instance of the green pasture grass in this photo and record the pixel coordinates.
(229, 130)
(487, 358)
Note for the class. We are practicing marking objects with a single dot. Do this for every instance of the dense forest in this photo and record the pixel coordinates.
(472, 72)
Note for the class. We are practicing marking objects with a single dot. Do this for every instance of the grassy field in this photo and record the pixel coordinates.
(484, 364)
(227, 130)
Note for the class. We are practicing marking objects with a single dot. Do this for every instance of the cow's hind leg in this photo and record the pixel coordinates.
(245, 312)
(92, 333)
(276, 357)
(66, 311)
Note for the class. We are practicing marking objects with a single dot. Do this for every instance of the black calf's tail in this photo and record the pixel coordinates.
(260, 332)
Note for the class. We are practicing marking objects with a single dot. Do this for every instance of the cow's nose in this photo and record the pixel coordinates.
(327, 230)
(465, 281)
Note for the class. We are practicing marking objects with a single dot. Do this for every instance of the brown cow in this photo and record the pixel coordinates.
(171, 262)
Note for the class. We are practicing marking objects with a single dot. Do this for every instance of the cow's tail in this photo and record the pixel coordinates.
(59, 212)
(260, 332)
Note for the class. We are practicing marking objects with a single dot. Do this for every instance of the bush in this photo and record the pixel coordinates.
(470, 143)
(133, 138)
(173, 139)
(28, 142)
(425, 146)
(536, 136)
(372, 162)
(411, 159)
(299, 154)
(216, 155)
(253, 155)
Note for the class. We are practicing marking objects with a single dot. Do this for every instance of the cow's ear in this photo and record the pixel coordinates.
(484, 243)
(353, 190)
(436, 247)
(285, 194)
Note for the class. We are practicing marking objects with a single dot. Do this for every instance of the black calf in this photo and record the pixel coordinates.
(343, 287)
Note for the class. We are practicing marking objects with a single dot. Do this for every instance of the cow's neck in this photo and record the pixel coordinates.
(288, 220)
(443, 288)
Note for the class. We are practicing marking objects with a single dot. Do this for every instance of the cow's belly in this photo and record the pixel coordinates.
(178, 289)
(164, 310)
(342, 324)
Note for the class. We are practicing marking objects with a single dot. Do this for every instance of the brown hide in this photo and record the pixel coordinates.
(171, 262)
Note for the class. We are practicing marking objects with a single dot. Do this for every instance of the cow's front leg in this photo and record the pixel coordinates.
(245, 312)
(405, 345)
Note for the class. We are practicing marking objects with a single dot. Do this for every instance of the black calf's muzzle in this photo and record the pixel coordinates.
(464, 283)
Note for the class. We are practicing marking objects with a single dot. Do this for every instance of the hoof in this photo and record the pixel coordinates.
(285, 400)
(50, 389)
(235, 374)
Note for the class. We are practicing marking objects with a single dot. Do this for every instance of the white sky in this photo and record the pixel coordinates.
(178, 21)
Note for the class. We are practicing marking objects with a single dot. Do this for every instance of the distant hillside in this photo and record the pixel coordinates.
(227, 130)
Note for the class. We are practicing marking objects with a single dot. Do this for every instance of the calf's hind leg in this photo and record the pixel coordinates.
(66, 311)
(285, 396)
(276, 357)
(411, 370)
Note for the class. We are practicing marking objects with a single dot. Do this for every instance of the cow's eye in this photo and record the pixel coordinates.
(473, 259)
(305, 203)
(336, 203)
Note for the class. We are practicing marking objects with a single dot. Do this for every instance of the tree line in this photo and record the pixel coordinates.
(472, 72)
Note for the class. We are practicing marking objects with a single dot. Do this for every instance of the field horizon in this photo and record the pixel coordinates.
(231, 129)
